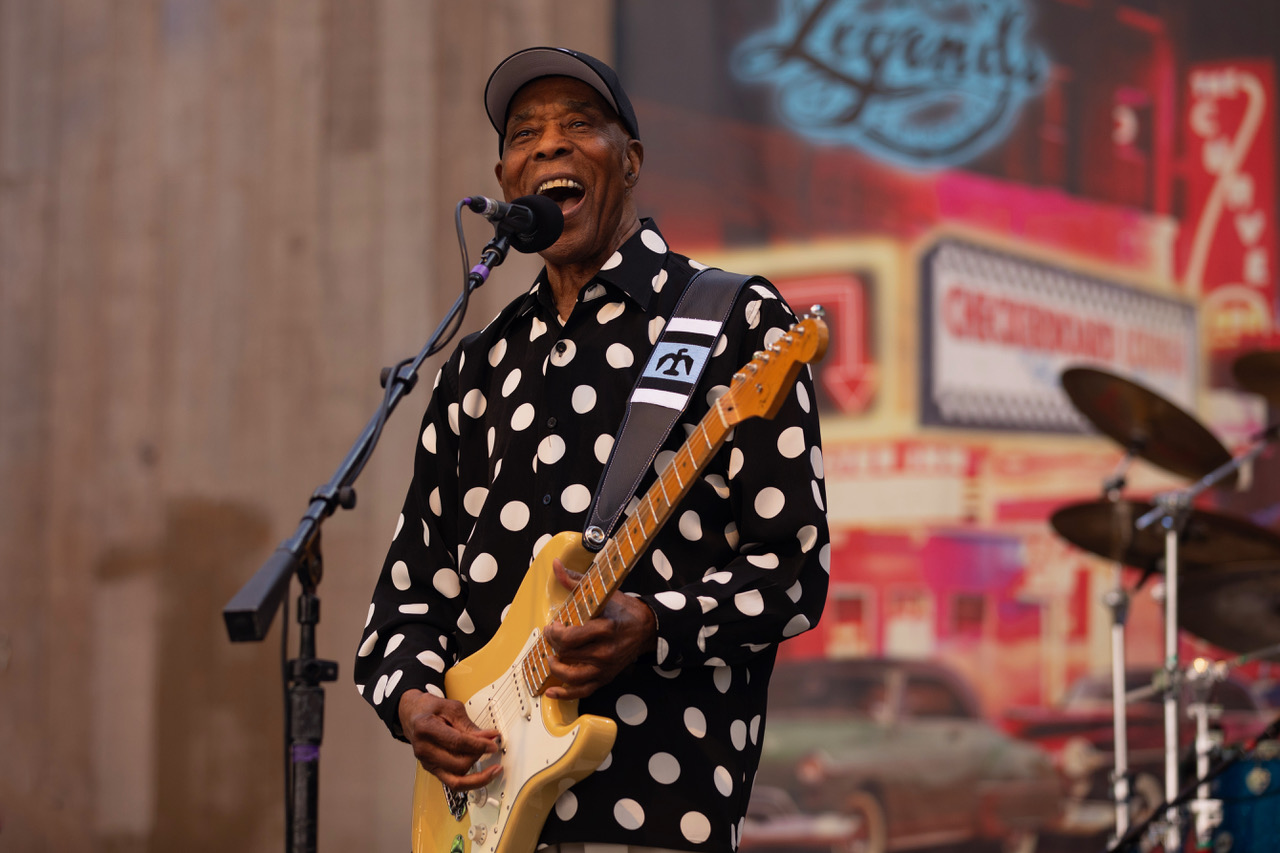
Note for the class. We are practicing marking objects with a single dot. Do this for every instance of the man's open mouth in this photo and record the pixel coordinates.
(565, 192)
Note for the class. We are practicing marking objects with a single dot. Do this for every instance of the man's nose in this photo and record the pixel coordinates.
(553, 143)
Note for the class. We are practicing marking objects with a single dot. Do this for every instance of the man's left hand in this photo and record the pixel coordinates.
(590, 656)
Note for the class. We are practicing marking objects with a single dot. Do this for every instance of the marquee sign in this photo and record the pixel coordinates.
(997, 331)
(919, 83)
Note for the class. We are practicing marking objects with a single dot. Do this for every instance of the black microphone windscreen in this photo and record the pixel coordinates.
(548, 224)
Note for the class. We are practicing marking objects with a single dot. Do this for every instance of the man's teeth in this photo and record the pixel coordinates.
(559, 183)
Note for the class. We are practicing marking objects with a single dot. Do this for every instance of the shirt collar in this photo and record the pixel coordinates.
(632, 269)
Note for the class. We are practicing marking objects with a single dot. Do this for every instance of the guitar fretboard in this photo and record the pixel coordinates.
(616, 559)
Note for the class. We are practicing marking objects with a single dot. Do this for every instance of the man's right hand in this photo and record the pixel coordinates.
(445, 741)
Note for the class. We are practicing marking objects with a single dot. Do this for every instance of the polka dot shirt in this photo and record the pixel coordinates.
(512, 446)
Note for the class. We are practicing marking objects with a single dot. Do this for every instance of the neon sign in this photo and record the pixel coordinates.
(920, 83)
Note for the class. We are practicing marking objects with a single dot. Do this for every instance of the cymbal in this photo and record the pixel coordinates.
(1207, 539)
(1234, 606)
(1145, 423)
(1259, 372)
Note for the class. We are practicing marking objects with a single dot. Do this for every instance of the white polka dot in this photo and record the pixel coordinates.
(453, 418)
(474, 403)
(763, 291)
(659, 281)
(753, 313)
(497, 351)
(716, 393)
(538, 329)
(749, 603)
(432, 660)
(655, 328)
(429, 438)
(612, 311)
(661, 564)
(604, 765)
(542, 542)
(435, 691)
(584, 399)
(791, 443)
(399, 527)
(716, 482)
(696, 722)
(662, 459)
(721, 345)
(719, 577)
(763, 561)
(465, 625)
(394, 680)
(723, 678)
(400, 575)
(794, 591)
(593, 293)
(798, 625)
(738, 734)
(379, 690)
(802, 395)
(771, 336)
(817, 494)
(815, 459)
(473, 500)
(824, 558)
(691, 526)
(664, 768)
(415, 609)
(551, 449)
(514, 516)
(769, 502)
(627, 812)
(672, 599)
(755, 728)
(808, 535)
(614, 260)
(369, 618)
(522, 417)
(724, 781)
(603, 447)
(366, 648)
(652, 241)
(697, 265)
(695, 827)
(561, 358)
(619, 356)
(707, 603)
(661, 651)
(576, 498)
(731, 535)
(566, 805)
(483, 568)
(735, 462)
(433, 501)
(511, 382)
(447, 583)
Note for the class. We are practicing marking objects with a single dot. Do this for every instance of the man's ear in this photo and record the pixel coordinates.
(497, 171)
(635, 159)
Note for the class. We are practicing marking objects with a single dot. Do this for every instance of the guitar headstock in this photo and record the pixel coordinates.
(762, 384)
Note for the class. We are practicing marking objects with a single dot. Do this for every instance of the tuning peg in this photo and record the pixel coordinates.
(816, 310)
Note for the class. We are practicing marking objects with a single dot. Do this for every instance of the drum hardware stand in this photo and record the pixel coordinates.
(1206, 810)
(1117, 601)
(1171, 511)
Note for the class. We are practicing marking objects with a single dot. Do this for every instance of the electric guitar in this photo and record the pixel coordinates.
(546, 747)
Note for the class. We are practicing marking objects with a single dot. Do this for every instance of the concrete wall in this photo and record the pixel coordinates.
(218, 220)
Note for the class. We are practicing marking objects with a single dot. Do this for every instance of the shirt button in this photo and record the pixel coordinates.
(561, 346)
(546, 499)
(551, 423)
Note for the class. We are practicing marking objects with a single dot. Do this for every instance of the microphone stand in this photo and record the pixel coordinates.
(249, 614)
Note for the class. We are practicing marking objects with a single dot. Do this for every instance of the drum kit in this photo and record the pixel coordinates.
(1221, 583)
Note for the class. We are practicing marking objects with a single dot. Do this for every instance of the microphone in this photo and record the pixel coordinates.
(533, 222)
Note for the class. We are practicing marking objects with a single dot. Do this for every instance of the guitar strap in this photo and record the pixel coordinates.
(661, 394)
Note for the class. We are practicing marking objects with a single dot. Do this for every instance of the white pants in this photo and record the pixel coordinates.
(603, 848)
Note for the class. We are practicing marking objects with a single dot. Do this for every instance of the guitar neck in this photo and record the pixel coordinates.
(620, 554)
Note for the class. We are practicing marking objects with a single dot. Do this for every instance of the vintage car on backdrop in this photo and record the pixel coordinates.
(1080, 735)
(863, 756)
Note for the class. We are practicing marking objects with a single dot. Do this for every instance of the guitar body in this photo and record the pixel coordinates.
(546, 746)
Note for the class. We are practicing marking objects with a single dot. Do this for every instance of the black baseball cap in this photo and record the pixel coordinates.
(531, 63)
